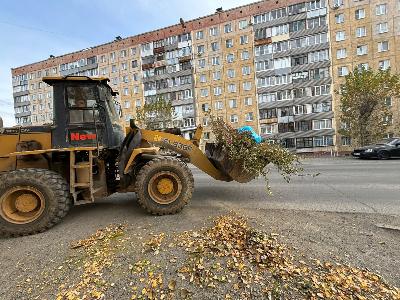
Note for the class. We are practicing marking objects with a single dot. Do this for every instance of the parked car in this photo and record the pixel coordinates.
(385, 149)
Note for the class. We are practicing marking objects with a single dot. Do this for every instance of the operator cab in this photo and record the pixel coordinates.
(85, 113)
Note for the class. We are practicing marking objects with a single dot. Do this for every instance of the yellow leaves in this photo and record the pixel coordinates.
(172, 285)
(99, 249)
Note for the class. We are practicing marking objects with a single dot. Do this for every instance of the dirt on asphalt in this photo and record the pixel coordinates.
(141, 256)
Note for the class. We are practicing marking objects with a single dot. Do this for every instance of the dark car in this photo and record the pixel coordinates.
(385, 149)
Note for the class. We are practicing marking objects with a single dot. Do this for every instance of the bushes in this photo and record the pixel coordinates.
(254, 158)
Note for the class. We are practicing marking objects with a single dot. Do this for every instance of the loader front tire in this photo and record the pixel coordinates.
(32, 201)
(164, 186)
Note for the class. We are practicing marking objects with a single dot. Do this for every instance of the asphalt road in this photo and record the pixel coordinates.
(343, 185)
(334, 216)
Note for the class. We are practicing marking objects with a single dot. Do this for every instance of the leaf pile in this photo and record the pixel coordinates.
(254, 158)
(99, 249)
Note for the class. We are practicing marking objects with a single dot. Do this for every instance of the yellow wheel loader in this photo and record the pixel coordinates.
(86, 155)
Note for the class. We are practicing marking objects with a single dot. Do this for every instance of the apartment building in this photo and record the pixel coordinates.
(224, 74)
(293, 76)
(270, 65)
(364, 34)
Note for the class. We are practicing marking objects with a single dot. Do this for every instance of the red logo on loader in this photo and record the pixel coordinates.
(76, 136)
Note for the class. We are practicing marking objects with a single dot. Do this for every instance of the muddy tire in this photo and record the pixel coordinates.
(32, 201)
(164, 186)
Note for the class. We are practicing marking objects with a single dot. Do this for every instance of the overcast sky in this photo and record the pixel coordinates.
(32, 30)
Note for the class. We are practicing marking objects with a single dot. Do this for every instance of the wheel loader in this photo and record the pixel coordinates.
(86, 155)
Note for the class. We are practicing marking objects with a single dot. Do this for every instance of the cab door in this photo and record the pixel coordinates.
(83, 116)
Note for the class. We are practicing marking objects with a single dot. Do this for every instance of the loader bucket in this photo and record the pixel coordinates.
(219, 158)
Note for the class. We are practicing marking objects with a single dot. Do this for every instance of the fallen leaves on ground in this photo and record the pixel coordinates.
(99, 249)
(228, 260)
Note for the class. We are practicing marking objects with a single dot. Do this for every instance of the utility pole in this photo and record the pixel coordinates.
(1, 122)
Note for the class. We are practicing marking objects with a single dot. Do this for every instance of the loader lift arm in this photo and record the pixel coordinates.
(187, 148)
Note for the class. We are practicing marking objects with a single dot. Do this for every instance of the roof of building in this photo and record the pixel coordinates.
(185, 27)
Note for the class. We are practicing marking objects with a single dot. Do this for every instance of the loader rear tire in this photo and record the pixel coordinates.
(32, 201)
(164, 186)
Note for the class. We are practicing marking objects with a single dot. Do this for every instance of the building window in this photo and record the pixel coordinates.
(217, 75)
(384, 64)
(228, 28)
(337, 3)
(126, 91)
(200, 49)
(247, 86)
(234, 119)
(204, 92)
(229, 43)
(249, 117)
(215, 60)
(125, 79)
(205, 121)
(217, 91)
(323, 141)
(199, 35)
(231, 73)
(362, 50)
(383, 46)
(382, 27)
(248, 101)
(381, 9)
(245, 55)
(127, 104)
(230, 58)
(341, 53)
(243, 24)
(133, 51)
(203, 78)
(214, 31)
(343, 71)
(123, 53)
(339, 18)
(189, 122)
(360, 14)
(244, 39)
(361, 31)
(232, 88)
(322, 124)
(340, 36)
(202, 63)
(138, 103)
(320, 90)
(232, 103)
(362, 66)
(304, 142)
(205, 107)
(206, 135)
(346, 141)
(388, 102)
(214, 46)
(246, 70)
(219, 105)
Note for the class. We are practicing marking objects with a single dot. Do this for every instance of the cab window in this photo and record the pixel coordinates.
(81, 103)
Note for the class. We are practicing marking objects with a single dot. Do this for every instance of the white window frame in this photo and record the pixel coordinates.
(341, 53)
(381, 46)
(340, 36)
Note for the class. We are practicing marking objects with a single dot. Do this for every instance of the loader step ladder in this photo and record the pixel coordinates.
(82, 192)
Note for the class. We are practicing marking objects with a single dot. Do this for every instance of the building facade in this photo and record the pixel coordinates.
(269, 65)
(364, 34)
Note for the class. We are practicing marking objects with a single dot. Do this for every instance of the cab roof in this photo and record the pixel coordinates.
(103, 80)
